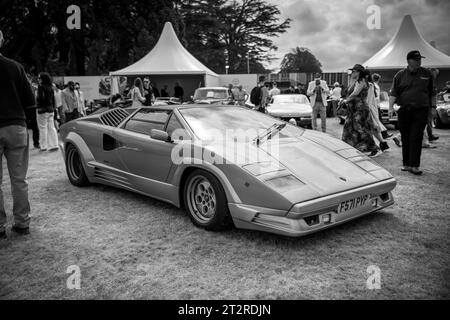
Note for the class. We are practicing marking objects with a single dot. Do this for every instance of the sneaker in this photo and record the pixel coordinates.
(433, 138)
(428, 146)
(53, 149)
(416, 171)
(21, 231)
(384, 146)
(397, 142)
(42, 150)
(3, 235)
(406, 169)
(37, 146)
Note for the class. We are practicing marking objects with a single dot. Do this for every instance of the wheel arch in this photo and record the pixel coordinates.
(85, 153)
(183, 172)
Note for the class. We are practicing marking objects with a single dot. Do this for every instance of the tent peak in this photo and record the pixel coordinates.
(168, 56)
(407, 38)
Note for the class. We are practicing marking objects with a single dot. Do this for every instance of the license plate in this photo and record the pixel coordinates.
(353, 204)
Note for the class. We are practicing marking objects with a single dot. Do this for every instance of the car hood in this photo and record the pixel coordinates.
(314, 160)
(289, 109)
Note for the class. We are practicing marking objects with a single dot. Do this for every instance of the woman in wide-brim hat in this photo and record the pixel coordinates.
(359, 125)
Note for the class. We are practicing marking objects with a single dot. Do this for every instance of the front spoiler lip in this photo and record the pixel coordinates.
(294, 225)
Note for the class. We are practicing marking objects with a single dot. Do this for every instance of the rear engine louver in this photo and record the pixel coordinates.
(114, 117)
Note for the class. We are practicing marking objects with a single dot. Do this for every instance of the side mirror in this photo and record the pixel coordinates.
(160, 135)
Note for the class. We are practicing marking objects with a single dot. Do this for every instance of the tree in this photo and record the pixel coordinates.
(300, 60)
(228, 30)
(114, 33)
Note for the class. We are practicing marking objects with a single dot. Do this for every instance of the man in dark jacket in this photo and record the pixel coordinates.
(413, 90)
(15, 96)
(148, 92)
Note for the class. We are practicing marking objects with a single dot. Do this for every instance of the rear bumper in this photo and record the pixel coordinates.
(301, 120)
(315, 215)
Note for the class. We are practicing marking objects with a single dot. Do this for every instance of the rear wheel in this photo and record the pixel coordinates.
(74, 167)
(206, 202)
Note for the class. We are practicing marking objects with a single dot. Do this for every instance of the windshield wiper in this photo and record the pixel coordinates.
(270, 132)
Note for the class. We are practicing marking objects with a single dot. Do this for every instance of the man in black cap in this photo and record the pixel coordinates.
(412, 90)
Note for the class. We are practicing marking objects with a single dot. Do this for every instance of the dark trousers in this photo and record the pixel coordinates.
(412, 122)
(32, 124)
(71, 116)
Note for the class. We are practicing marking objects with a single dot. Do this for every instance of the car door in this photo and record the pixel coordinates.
(142, 155)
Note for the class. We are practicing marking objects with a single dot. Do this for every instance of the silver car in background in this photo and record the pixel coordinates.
(291, 106)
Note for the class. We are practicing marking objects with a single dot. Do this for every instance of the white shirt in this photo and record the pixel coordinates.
(81, 106)
(336, 94)
(58, 98)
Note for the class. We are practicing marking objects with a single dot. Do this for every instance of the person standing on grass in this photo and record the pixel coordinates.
(137, 93)
(165, 91)
(178, 92)
(359, 126)
(372, 101)
(274, 91)
(148, 92)
(30, 113)
(81, 101)
(16, 96)
(376, 82)
(432, 111)
(58, 101)
(70, 102)
(241, 96)
(412, 89)
(336, 96)
(318, 91)
(260, 95)
(46, 106)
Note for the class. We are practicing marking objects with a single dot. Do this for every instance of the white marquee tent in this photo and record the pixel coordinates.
(170, 62)
(408, 38)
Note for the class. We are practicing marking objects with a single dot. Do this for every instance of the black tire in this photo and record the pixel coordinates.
(74, 167)
(206, 202)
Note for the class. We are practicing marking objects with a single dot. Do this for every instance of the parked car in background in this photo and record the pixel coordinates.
(384, 107)
(288, 181)
(442, 111)
(213, 95)
(167, 101)
(291, 106)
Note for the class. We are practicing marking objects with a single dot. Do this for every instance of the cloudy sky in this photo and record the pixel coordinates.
(336, 30)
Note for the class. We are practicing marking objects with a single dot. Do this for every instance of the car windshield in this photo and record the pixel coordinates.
(384, 96)
(203, 94)
(282, 99)
(230, 120)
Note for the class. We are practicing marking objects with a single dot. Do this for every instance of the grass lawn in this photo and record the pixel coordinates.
(132, 247)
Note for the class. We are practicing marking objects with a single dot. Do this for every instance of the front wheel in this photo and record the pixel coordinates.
(74, 167)
(206, 202)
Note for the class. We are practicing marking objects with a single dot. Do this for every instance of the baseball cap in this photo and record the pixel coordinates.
(357, 67)
(415, 55)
